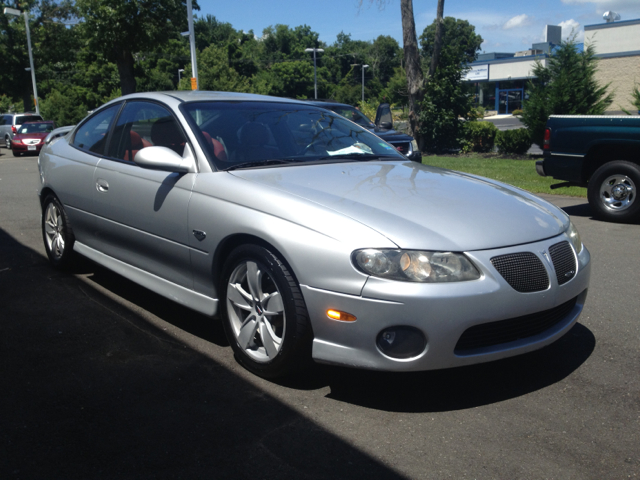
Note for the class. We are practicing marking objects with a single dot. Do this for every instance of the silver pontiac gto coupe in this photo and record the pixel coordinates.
(310, 237)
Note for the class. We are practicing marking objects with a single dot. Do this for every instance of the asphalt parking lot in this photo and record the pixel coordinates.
(101, 378)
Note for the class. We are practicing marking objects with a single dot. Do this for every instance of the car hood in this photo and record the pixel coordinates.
(392, 135)
(421, 207)
(23, 136)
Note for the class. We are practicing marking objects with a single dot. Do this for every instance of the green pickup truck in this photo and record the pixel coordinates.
(601, 153)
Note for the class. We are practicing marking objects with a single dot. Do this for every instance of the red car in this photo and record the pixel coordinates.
(30, 137)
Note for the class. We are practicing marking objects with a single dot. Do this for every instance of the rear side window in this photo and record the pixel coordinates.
(5, 119)
(92, 135)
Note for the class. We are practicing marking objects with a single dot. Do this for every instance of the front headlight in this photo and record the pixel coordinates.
(574, 237)
(415, 265)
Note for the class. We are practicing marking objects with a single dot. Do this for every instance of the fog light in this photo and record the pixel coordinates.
(401, 342)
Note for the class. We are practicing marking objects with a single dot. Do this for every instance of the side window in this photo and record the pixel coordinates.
(141, 125)
(92, 135)
(3, 119)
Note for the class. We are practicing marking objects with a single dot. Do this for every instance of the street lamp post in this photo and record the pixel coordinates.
(192, 46)
(315, 78)
(179, 70)
(363, 67)
(16, 13)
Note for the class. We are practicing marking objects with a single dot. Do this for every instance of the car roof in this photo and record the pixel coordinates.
(204, 95)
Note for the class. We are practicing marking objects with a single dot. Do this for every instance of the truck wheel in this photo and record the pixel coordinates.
(613, 192)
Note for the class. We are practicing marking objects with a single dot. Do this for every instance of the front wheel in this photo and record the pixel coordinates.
(612, 192)
(264, 314)
(57, 233)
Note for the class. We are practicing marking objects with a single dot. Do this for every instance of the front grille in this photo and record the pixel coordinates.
(523, 271)
(505, 331)
(563, 261)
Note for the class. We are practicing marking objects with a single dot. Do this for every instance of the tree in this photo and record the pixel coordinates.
(460, 41)
(121, 28)
(413, 69)
(567, 86)
(445, 102)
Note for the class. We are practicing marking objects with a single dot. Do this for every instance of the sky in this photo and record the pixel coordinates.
(505, 25)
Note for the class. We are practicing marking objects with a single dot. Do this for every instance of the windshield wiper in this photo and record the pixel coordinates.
(261, 163)
(356, 156)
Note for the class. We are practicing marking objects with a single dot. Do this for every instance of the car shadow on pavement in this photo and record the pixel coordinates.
(463, 387)
(91, 389)
(582, 210)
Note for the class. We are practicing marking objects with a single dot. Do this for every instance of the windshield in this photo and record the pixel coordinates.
(354, 115)
(36, 128)
(250, 134)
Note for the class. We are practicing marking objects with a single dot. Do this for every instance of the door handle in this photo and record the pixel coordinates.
(102, 185)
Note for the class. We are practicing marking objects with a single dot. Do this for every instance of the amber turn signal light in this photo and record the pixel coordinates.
(342, 316)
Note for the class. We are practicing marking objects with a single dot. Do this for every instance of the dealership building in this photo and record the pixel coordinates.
(498, 80)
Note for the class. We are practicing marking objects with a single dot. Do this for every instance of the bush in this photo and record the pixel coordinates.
(516, 141)
(479, 136)
(517, 112)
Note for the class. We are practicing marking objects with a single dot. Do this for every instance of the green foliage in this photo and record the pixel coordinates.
(567, 86)
(215, 73)
(443, 109)
(517, 112)
(459, 41)
(369, 108)
(63, 108)
(479, 136)
(6, 104)
(516, 141)
(446, 102)
(635, 97)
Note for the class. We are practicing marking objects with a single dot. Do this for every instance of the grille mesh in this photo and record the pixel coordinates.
(563, 261)
(523, 271)
(505, 331)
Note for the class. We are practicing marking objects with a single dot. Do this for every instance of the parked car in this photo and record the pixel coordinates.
(382, 127)
(601, 153)
(11, 122)
(30, 137)
(308, 236)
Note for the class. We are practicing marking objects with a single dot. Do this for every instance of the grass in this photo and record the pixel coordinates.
(521, 173)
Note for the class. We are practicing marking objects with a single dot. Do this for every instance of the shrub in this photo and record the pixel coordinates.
(516, 141)
(479, 136)
(517, 112)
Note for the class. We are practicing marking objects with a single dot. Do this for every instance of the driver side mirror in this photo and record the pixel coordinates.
(163, 158)
(384, 119)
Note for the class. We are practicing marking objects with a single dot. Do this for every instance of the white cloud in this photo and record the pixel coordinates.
(517, 21)
(571, 27)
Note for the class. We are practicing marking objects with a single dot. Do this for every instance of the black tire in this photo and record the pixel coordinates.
(270, 337)
(16, 154)
(57, 233)
(613, 192)
(7, 143)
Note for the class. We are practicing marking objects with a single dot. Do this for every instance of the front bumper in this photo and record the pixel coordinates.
(442, 312)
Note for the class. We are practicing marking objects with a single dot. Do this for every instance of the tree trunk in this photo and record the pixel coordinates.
(125, 69)
(437, 46)
(415, 80)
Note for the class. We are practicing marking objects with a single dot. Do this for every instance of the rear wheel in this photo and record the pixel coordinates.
(7, 142)
(57, 233)
(264, 314)
(613, 191)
